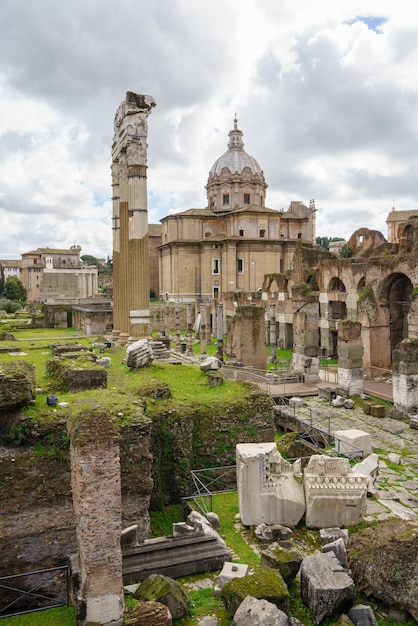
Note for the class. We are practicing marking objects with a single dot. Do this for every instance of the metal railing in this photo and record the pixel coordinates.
(35, 591)
(208, 482)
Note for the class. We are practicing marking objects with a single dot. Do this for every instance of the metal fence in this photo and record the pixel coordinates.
(34, 591)
(206, 483)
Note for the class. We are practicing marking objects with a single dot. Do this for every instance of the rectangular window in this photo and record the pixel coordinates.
(225, 198)
(215, 266)
(241, 232)
(240, 266)
(216, 293)
(262, 233)
(246, 198)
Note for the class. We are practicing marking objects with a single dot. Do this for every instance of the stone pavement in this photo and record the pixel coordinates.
(397, 484)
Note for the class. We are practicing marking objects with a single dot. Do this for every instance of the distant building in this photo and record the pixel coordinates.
(11, 268)
(57, 275)
(229, 246)
(396, 221)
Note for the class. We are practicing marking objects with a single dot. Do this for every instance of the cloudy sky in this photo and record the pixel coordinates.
(325, 93)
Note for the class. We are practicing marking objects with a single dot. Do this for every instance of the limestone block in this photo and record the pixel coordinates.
(338, 548)
(210, 363)
(394, 458)
(353, 442)
(329, 535)
(263, 533)
(160, 588)
(377, 410)
(253, 612)
(335, 495)
(326, 588)
(370, 468)
(413, 422)
(139, 354)
(264, 583)
(286, 559)
(270, 489)
(228, 572)
(362, 615)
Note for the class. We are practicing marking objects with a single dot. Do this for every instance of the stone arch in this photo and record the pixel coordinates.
(312, 282)
(407, 238)
(395, 295)
(361, 283)
(336, 284)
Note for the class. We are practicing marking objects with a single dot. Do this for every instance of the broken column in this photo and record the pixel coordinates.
(273, 333)
(130, 218)
(96, 490)
(405, 377)
(245, 341)
(350, 358)
(305, 334)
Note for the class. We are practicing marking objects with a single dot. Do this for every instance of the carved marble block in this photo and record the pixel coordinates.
(335, 494)
(270, 489)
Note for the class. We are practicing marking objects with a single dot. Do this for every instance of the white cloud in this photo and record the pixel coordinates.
(325, 94)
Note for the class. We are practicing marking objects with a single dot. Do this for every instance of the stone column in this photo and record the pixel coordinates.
(405, 378)
(220, 331)
(306, 337)
(350, 358)
(96, 489)
(189, 351)
(130, 218)
(203, 324)
(273, 337)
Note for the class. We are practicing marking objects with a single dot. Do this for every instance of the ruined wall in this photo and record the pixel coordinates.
(246, 337)
(96, 490)
(196, 436)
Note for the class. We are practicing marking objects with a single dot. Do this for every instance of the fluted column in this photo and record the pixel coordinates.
(130, 219)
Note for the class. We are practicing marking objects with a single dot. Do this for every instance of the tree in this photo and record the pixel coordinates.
(15, 290)
(345, 251)
(88, 259)
(1, 280)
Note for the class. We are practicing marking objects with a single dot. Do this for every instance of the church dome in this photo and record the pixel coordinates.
(235, 159)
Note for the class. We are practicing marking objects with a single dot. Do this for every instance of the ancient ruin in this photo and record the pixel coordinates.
(131, 283)
(273, 491)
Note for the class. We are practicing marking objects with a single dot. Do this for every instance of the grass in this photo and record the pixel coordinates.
(64, 616)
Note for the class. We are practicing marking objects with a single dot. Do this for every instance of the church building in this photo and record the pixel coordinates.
(227, 248)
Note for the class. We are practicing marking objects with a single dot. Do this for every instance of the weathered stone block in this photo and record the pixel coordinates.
(335, 495)
(264, 584)
(377, 410)
(326, 588)
(353, 442)
(286, 560)
(269, 490)
(253, 612)
(17, 384)
(160, 588)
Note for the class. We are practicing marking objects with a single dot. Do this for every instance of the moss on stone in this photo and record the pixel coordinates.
(265, 583)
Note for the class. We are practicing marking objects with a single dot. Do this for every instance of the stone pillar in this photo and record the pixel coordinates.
(306, 338)
(350, 358)
(167, 321)
(96, 489)
(189, 350)
(203, 325)
(245, 342)
(273, 337)
(220, 331)
(405, 377)
(177, 320)
(130, 218)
